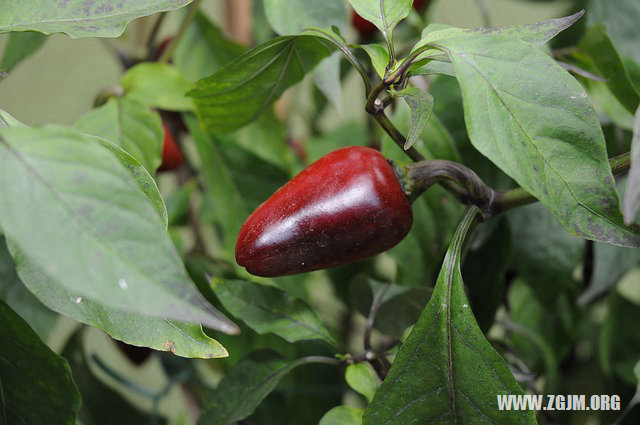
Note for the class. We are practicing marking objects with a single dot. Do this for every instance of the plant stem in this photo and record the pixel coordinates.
(154, 32)
(166, 55)
(424, 174)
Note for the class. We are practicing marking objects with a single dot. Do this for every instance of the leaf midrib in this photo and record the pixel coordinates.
(517, 122)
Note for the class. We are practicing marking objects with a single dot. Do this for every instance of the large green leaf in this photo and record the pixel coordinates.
(20, 46)
(14, 293)
(446, 371)
(239, 92)
(130, 125)
(246, 385)
(609, 65)
(203, 49)
(158, 85)
(159, 333)
(70, 205)
(384, 14)
(533, 120)
(79, 18)
(621, 18)
(37, 387)
(267, 309)
(289, 17)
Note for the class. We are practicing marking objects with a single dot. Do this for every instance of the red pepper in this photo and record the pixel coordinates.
(345, 207)
(171, 154)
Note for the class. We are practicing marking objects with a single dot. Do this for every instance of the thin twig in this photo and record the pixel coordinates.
(166, 55)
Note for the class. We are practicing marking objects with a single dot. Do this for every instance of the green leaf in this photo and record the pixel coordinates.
(485, 269)
(533, 120)
(159, 333)
(384, 14)
(536, 34)
(342, 415)
(245, 386)
(326, 77)
(379, 57)
(14, 293)
(289, 17)
(610, 263)
(130, 125)
(538, 335)
(421, 105)
(446, 370)
(141, 176)
(70, 205)
(399, 307)
(204, 49)
(239, 92)
(7, 120)
(541, 252)
(20, 46)
(101, 405)
(620, 340)
(79, 18)
(609, 65)
(631, 201)
(236, 181)
(267, 309)
(621, 19)
(158, 85)
(360, 379)
(37, 387)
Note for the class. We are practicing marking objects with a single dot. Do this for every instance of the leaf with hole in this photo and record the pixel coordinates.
(446, 370)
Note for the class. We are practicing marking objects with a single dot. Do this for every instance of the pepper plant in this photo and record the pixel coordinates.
(363, 216)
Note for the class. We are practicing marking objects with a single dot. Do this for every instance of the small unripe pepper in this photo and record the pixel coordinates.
(172, 157)
(345, 207)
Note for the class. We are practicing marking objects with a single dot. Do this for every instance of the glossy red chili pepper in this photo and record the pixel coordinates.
(345, 207)
(171, 154)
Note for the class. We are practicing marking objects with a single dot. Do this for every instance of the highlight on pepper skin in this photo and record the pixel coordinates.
(345, 207)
